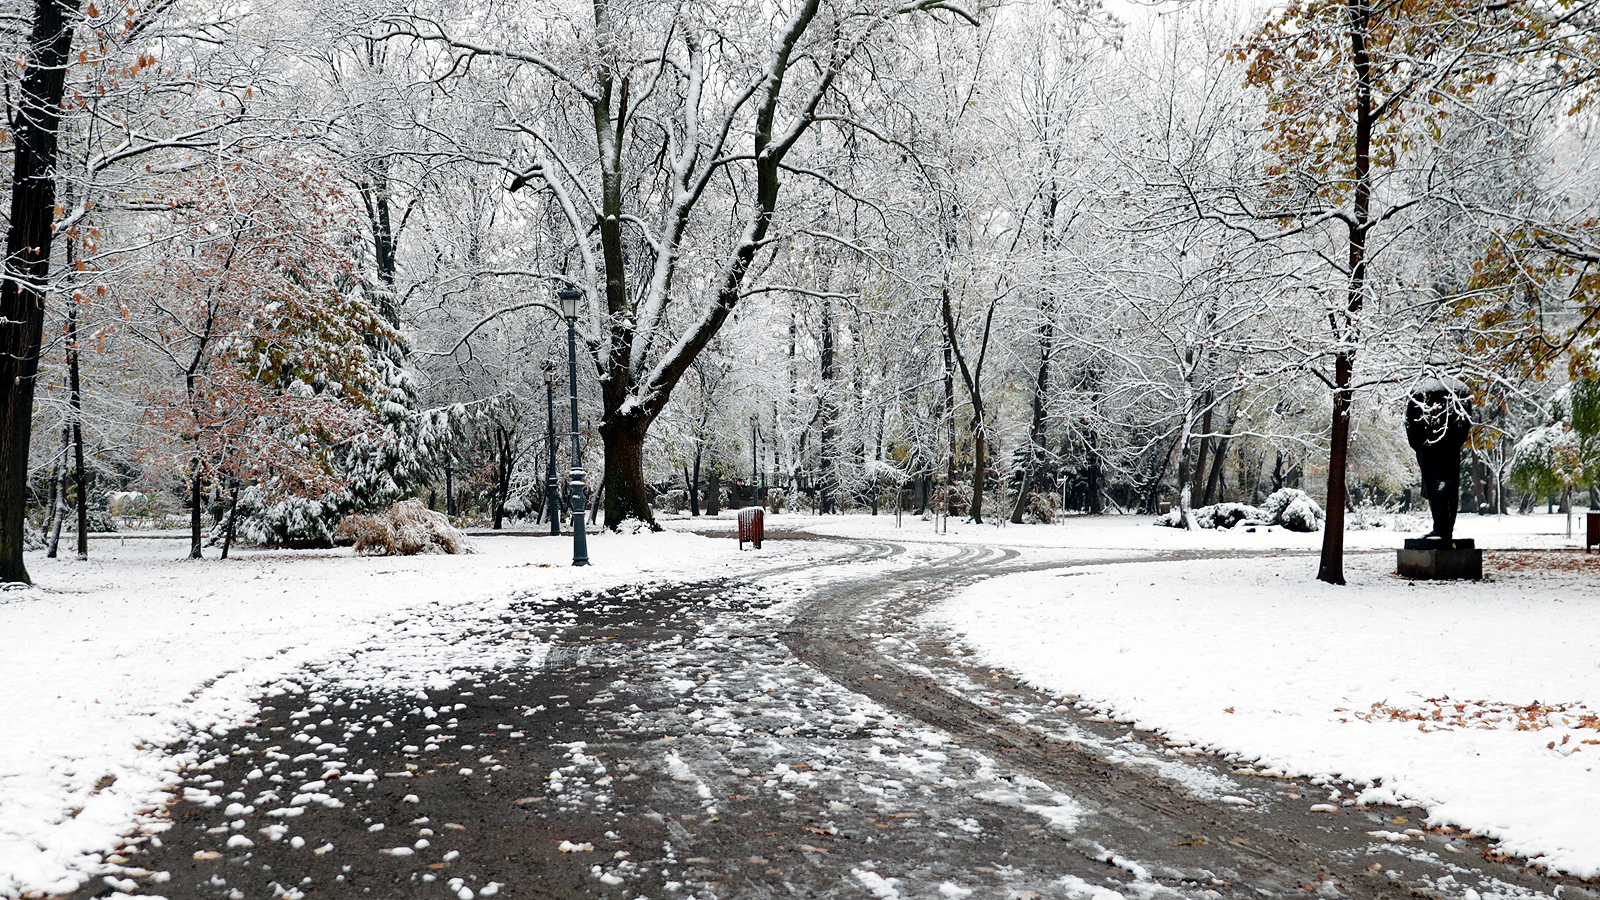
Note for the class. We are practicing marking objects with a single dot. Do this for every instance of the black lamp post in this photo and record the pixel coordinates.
(552, 490)
(569, 297)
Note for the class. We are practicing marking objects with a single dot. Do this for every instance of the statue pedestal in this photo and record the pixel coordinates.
(1434, 560)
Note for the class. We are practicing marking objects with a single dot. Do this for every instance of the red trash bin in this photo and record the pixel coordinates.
(752, 522)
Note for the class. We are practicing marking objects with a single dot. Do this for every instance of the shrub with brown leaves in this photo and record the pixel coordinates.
(408, 528)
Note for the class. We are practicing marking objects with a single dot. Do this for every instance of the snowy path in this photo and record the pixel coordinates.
(795, 734)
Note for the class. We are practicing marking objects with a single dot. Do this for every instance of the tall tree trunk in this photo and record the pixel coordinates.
(233, 518)
(1205, 444)
(829, 412)
(504, 443)
(1330, 567)
(76, 402)
(27, 263)
(980, 464)
(83, 489)
(1092, 480)
(1041, 389)
(449, 492)
(947, 414)
(1483, 476)
(1218, 456)
(194, 507)
(377, 197)
(58, 494)
(694, 480)
(1151, 501)
(972, 378)
(1185, 454)
(713, 491)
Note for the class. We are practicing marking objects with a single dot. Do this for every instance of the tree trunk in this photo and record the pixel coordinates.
(1185, 462)
(1331, 566)
(829, 412)
(694, 480)
(83, 489)
(449, 492)
(972, 378)
(1218, 455)
(1041, 387)
(713, 491)
(76, 402)
(233, 517)
(1205, 445)
(980, 463)
(947, 414)
(626, 494)
(55, 534)
(504, 443)
(194, 508)
(1091, 477)
(378, 199)
(58, 496)
(27, 261)
(1151, 501)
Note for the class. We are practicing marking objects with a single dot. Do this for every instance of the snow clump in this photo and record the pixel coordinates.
(1291, 508)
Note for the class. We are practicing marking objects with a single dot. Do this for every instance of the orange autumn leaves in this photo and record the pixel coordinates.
(1421, 58)
(252, 301)
(1409, 67)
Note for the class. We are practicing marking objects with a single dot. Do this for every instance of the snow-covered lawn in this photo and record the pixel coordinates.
(1139, 532)
(1477, 700)
(104, 662)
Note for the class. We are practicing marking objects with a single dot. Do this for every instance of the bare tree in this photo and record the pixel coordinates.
(630, 126)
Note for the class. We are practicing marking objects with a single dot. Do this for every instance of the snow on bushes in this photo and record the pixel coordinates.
(1293, 509)
(408, 528)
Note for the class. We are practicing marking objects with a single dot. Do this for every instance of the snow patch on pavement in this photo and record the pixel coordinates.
(109, 662)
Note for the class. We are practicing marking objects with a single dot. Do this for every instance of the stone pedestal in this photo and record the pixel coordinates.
(1436, 560)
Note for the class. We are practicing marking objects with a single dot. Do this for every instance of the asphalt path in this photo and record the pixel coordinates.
(786, 736)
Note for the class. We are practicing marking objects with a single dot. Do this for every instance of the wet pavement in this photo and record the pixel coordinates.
(796, 735)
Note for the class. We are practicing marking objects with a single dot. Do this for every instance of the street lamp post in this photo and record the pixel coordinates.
(569, 297)
(552, 489)
(755, 476)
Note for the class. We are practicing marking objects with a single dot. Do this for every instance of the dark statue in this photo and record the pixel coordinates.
(1438, 418)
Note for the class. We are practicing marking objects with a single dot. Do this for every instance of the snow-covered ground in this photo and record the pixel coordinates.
(1478, 701)
(107, 661)
(1139, 532)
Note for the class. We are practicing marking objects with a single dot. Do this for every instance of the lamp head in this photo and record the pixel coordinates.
(549, 368)
(569, 297)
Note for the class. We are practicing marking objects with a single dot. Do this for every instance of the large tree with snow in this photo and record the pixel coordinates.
(665, 139)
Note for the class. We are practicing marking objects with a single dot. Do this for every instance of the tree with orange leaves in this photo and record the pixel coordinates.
(1355, 92)
(253, 307)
